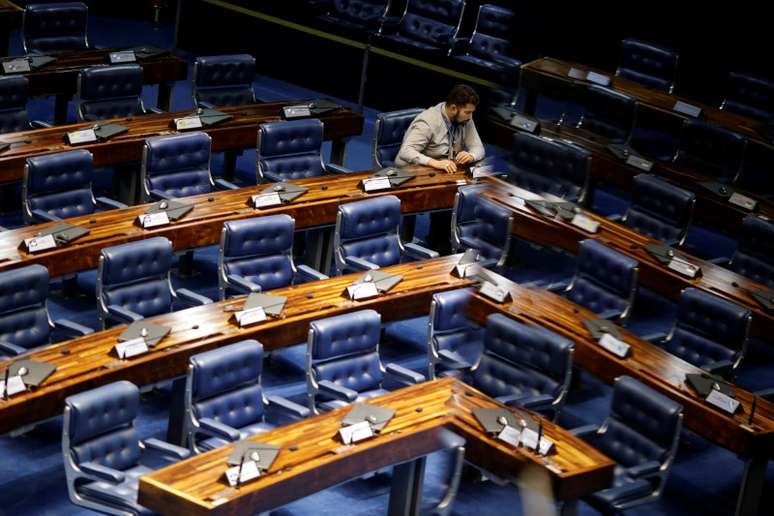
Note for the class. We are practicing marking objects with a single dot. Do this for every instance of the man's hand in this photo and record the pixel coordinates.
(463, 158)
(446, 165)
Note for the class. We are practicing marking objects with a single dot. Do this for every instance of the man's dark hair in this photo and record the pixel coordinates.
(461, 95)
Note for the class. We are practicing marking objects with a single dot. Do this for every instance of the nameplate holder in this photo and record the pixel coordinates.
(575, 73)
(266, 200)
(493, 292)
(615, 346)
(131, 348)
(525, 124)
(585, 223)
(742, 201)
(722, 401)
(640, 163)
(188, 122)
(291, 112)
(239, 474)
(482, 171)
(364, 290)
(80, 137)
(251, 316)
(464, 270)
(152, 220)
(529, 438)
(510, 435)
(598, 78)
(683, 267)
(357, 432)
(374, 184)
(546, 446)
(40, 243)
(16, 66)
(124, 56)
(15, 385)
(687, 109)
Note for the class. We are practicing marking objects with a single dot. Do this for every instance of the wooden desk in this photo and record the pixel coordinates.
(576, 469)
(727, 284)
(10, 18)
(202, 226)
(605, 167)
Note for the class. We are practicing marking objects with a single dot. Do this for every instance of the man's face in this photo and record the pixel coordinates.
(461, 114)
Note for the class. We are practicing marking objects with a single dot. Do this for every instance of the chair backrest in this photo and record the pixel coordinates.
(58, 184)
(99, 427)
(110, 92)
(135, 276)
(648, 64)
(708, 329)
(224, 80)
(660, 209)
(361, 12)
(711, 149)
(177, 166)
(388, 135)
(258, 249)
(550, 166)
(344, 349)
(432, 22)
(643, 425)
(55, 27)
(23, 315)
(608, 113)
(289, 150)
(449, 326)
(480, 224)
(754, 256)
(604, 279)
(13, 104)
(522, 359)
(368, 229)
(224, 384)
(750, 96)
(492, 33)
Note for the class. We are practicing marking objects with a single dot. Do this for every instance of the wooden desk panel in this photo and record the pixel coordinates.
(576, 469)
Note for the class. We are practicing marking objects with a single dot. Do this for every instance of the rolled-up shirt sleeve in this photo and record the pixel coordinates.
(472, 143)
(415, 141)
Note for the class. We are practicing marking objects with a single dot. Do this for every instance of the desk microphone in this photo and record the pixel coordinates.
(5, 389)
(239, 471)
(752, 409)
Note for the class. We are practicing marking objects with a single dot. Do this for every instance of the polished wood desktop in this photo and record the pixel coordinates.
(312, 458)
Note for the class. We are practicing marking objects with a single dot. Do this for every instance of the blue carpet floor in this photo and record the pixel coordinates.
(704, 480)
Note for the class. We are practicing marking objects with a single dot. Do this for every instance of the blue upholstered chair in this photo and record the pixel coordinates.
(482, 225)
(58, 186)
(523, 365)
(453, 339)
(357, 15)
(549, 166)
(224, 399)
(389, 130)
(641, 434)
(750, 96)
(754, 255)
(366, 236)
(489, 47)
(342, 361)
(648, 64)
(608, 113)
(709, 332)
(430, 25)
(223, 80)
(110, 92)
(659, 209)
(14, 93)
(102, 451)
(24, 318)
(133, 282)
(605, 281)
(55, 27)
(292, 149)
(711, 150)
(178, 166)
(257, 254)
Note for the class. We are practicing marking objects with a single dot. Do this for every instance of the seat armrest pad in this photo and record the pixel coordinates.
(122, 314)
(585, 431)
(337, 391)
(309, 274)
(645, 469)
(101, 472)
(72, 327)
(225, 185)
(289, 406)
(11, 349)
(359, 264)
(240, 283)
(170, 450)
(191, 297)
(43, 216)
(404, 374)
(215, 428)
(419, 252)
(110, 203)
(333, 168)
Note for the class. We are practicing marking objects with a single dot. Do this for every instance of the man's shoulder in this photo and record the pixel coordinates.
(430, 116)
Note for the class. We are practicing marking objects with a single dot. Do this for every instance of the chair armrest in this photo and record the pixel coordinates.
(242, 284)
(101, 472)
(767, 394)
(205, 105)
(337, 391)
(168, 449)
(389, 23)
(507, 61)
(225, 185)
(44, 216)
(721, 261)
(72, 328)
(458, 46)
(656, 337)
(192, 298)
(721, 367)
(404, 374)
(536, 402)
(557, 286)
(288, 406)
(40, 124)
(615, 217)
(420, 253)
(11, 349)
(158, 194)
(610, 314)
(90, 118)
(332, 168)
(122, 314)
(585, 431)
(453, 360)
(309, 274)
(645, 469)
(110, 203)
(359, 264)
(155, 110)
(271, 177)
(215, 428)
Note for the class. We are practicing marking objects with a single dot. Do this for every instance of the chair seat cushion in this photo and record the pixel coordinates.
(623, 492)
(123, 495)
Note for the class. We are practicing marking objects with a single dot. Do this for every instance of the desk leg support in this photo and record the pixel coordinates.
(164, 100)
(318, 249)
(751, 489)
(338, 151)
(175, 425)
(406, 491)
(60, 108)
